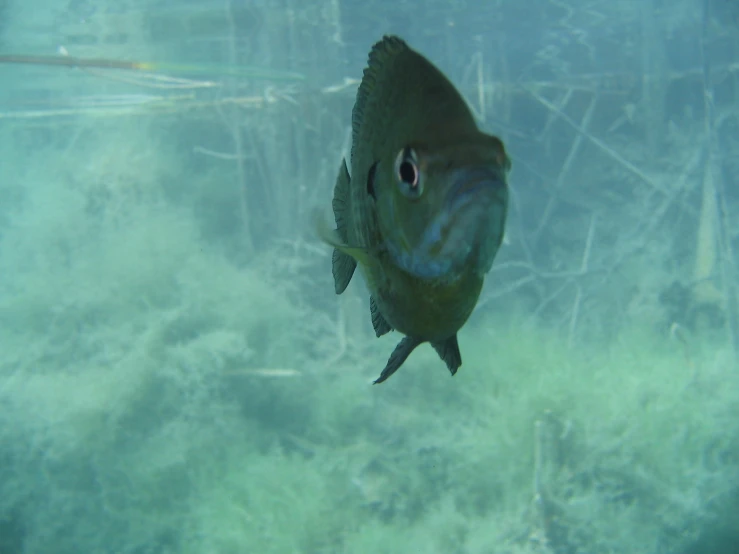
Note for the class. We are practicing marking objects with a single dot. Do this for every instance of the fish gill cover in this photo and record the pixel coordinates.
(178, 375)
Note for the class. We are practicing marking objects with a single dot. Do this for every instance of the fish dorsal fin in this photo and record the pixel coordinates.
(381, 55)
(342, 264)
(404, 96)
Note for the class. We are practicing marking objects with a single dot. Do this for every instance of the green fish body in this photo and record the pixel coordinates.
(423, 212)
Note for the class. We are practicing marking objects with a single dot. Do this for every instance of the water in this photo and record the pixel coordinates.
(177, 375)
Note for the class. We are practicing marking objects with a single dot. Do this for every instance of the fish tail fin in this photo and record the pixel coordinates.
(399, 355)
(343, 265)
(448, 351)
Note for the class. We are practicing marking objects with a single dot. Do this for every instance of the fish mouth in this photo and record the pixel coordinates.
(473, 185)
(476, 212)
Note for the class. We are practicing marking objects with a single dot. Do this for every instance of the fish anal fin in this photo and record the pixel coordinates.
(399, 355)
(448, 351)
(379, 323)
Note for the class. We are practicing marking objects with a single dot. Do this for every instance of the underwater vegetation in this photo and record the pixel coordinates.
(177, 374)
(143, 411)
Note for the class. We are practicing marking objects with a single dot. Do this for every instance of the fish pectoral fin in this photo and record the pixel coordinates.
(379, 323)
(342, 263)
(399, 355)
(448, 350)
(332, 238)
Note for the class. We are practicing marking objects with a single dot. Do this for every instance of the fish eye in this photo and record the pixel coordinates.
(408, 173)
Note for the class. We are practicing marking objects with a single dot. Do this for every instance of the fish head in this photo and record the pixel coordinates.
(441, 210)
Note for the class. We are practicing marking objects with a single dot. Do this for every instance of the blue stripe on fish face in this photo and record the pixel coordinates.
(422, 261)
(468, 229)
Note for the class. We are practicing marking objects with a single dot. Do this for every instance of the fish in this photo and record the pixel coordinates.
(422, 212)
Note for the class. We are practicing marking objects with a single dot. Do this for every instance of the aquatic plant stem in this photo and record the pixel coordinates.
(569, 160)
(713, 175)
(583, 269)
(235, 128)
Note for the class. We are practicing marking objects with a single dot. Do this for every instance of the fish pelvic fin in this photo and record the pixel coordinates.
(399, 355)
(379, 323)
(340, 202)
(448, 351)
(342, 267)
